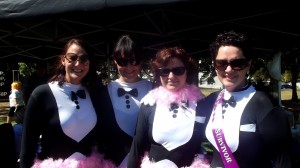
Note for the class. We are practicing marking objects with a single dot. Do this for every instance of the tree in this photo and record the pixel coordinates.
(261, 75)
(26, 69)
(286, 76)
(290, 61)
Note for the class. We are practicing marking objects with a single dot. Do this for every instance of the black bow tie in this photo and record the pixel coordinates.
(173, 106)
(79, 93)
(133, 92)
(230, 101)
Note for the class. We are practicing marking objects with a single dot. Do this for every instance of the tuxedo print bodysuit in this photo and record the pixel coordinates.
(120, 103)
(255, 131)
(168, 127)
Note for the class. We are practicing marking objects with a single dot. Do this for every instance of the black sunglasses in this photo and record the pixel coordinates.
(73, 58)
(124, 62)
(236, 64)
(166, 71)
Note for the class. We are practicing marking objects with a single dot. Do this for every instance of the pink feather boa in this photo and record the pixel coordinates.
(166, 97)
(199, 162)
(96, 160)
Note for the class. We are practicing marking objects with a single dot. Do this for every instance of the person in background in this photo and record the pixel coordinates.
(18, 127)
(169, 132)
(60, 115)
(246, 128)
(16, 100)
(120, 100)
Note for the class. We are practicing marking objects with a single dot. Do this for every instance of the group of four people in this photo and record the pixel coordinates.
(134, 123)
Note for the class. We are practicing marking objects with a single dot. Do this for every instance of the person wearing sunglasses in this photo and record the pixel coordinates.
(120, 100)
(61, 125)
(168, 132)
(246, 127)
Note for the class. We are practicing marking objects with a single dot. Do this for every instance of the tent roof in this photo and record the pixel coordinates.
(32, 31)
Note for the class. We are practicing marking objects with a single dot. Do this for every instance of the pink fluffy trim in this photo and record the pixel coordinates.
(96, 160)
(166, 97)
(199, 162)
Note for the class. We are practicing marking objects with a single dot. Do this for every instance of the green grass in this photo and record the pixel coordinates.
(3, 112)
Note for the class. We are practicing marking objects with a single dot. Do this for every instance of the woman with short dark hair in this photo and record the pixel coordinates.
(246, 128)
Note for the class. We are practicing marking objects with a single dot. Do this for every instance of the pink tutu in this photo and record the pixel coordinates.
(96, 160)
(199, 162)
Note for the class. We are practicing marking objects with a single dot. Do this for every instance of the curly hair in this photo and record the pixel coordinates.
(164, 56)
(232, 38)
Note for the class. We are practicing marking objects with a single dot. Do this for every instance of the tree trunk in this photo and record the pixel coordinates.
(295, 72)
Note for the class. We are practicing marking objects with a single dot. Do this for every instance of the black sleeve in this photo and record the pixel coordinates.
(140, 143)
(32, 125)
(276, 134)
(205, 106)
(273, 128)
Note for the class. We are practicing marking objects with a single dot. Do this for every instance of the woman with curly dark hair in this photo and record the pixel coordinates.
(246, 127)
